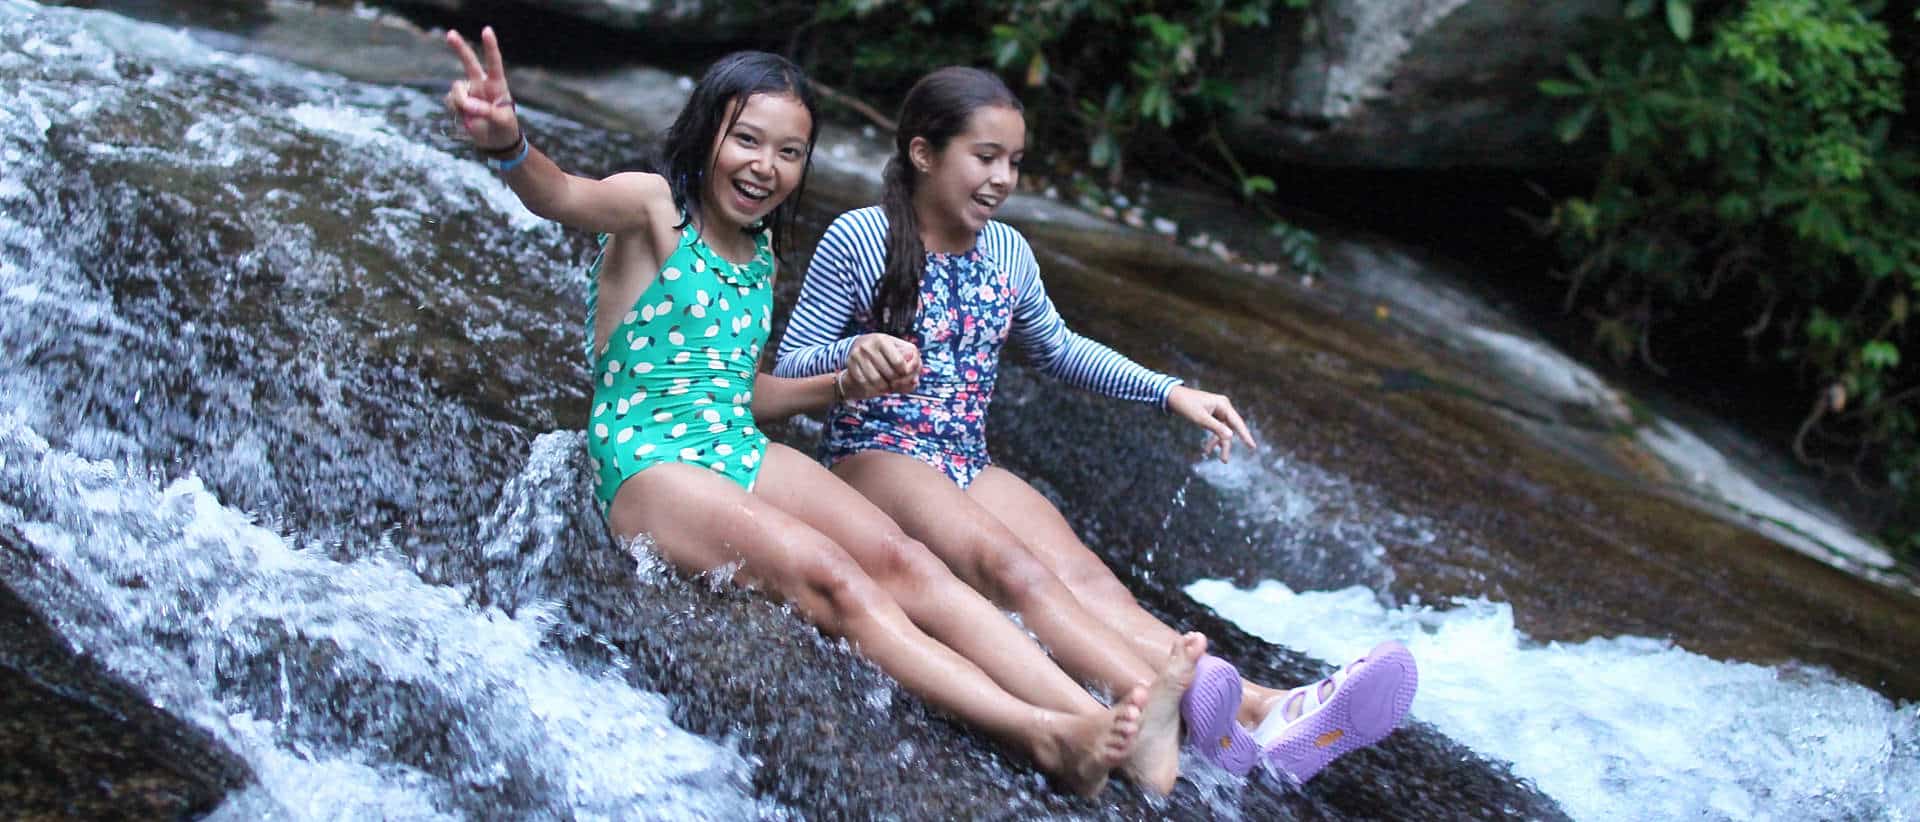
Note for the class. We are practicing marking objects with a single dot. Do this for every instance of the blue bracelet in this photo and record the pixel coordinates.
(504, 166)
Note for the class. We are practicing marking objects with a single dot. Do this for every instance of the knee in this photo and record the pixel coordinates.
(902, 560)
(839, 590)
(1016, 577)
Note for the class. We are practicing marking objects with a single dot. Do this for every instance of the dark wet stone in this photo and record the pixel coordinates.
(78, 742)
(1578, 552)
(841, 741)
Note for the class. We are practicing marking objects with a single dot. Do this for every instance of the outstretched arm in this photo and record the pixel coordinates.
(1044, 339)
(482, 104)
(1057, 350)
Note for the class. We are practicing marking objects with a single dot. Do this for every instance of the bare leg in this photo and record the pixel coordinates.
(988, 556)
(936, 600)
(1028, 513)
(700, 521)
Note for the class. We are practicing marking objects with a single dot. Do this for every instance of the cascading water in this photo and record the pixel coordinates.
(229, 348)
(353, 689)
(1617, 728)
(285, 404)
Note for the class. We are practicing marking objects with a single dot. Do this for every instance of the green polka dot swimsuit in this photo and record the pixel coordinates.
(674, 381)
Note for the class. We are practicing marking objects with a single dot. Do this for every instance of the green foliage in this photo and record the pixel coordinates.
(1301, 247)
(1757, 165)
(1107, 75)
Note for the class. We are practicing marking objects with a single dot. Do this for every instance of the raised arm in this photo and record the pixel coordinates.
(482, 104)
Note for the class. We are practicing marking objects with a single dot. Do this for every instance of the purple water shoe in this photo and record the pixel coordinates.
(1356, 707)
(1209, 708)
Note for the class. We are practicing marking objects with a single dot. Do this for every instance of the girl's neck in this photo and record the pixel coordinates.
(940, 233)
(726, 240)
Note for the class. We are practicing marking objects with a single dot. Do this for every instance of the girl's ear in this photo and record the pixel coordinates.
(921, 153)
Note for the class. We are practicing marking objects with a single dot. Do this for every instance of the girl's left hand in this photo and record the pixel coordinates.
(1213, 412)
(480, 101)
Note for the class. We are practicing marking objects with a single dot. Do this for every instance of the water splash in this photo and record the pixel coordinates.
(345, 685)
(1332, 530)
(1625, 727)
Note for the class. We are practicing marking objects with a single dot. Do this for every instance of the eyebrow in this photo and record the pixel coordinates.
(760, 130)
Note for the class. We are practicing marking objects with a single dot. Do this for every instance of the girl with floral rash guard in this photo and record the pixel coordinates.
(909, 305)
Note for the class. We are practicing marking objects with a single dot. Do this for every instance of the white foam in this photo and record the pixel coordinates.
(166, 585)
(1327, 524)
(455, 179)
(1621, 728)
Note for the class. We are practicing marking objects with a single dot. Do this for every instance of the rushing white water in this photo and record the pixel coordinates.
(192, 601)
(354, 689)
(1615, 728)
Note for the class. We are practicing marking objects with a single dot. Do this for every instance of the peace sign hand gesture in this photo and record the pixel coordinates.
(480, 101)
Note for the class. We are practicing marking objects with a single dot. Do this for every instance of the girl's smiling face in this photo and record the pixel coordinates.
(962, 184)
(758, 160)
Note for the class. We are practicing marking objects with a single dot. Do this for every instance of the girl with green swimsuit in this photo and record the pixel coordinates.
(679, 317)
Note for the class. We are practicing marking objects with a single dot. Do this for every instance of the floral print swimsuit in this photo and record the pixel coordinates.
(973, 306)
(966, 307)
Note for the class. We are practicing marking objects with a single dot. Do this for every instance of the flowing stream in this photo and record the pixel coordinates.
(1621, 727)
(286, 410)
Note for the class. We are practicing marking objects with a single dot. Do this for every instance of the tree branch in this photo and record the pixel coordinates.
(859, 106)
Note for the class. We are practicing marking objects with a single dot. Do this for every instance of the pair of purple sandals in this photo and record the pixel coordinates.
(1356, 707)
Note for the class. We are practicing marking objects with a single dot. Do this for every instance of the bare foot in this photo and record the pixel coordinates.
(1155, 763)
(1080, 750)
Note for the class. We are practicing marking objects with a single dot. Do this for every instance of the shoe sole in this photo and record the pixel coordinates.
(1210, 708)
(1368, 706)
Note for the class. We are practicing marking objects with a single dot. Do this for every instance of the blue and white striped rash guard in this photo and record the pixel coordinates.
(837, 297)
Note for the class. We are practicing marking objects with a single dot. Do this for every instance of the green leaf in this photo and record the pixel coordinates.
(1007, 49)
(1256, 185)
(1680, 18)
(1823, 328)
(1150, 99)
(1102, 153)
(1880, 355)
(1561, 88)
(1638, 9)
(1573, 125)
(1578, 65)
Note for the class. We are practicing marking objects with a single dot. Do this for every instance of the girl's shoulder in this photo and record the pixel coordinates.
(868, 221)
(1000, 233)
(1005, 245)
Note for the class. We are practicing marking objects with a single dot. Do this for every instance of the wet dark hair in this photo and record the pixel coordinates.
(688, 153)
(936, 110)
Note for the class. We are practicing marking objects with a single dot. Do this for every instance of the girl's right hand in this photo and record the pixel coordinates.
(881, 364)
(480, 101)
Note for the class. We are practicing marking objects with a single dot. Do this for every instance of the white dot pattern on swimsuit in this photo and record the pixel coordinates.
(664, 394)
